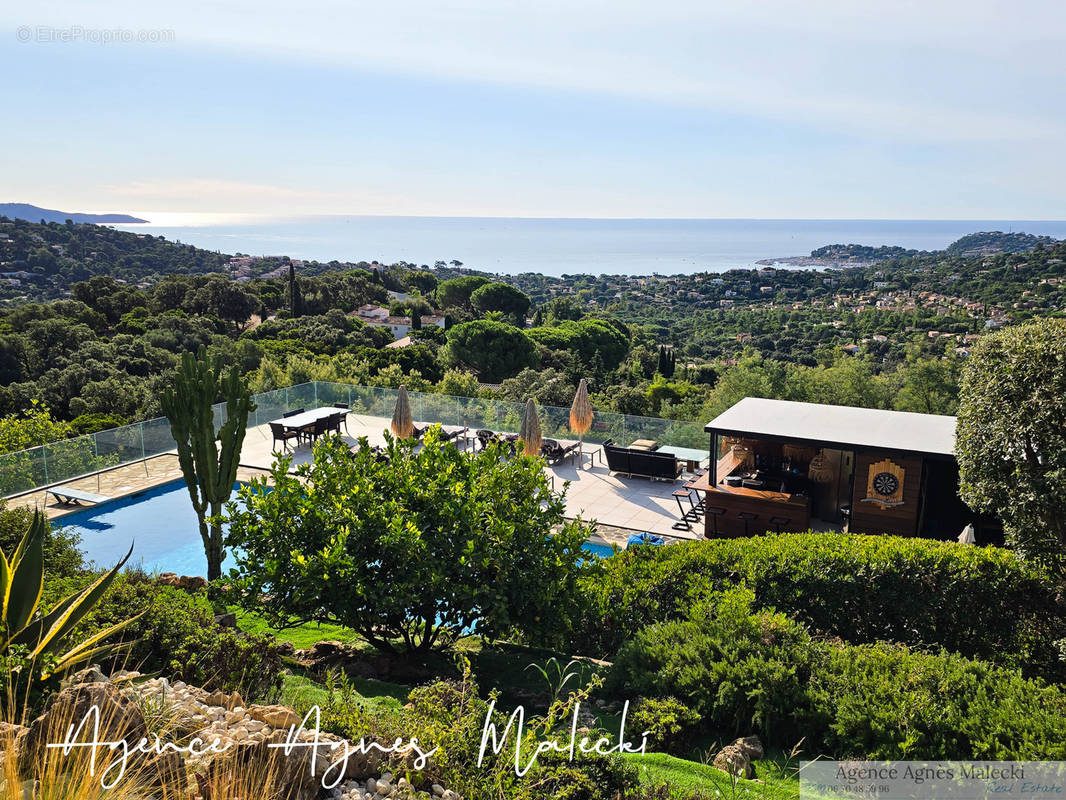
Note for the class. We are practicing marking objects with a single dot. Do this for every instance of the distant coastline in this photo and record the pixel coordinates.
(557, 247)
(32, 213)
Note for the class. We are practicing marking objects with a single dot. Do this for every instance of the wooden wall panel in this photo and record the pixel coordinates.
(901, 520)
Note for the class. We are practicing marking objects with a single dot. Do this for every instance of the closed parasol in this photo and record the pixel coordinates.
(530, 431)
(581, 416)
(402, 423)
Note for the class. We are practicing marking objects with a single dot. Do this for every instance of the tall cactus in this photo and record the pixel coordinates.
(208, 459)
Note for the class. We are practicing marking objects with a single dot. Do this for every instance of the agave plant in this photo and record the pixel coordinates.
(25, 625)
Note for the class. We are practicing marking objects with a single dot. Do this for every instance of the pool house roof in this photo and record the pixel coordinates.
(839, 426)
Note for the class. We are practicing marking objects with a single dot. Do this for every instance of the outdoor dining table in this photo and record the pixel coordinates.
(693, 457)
(302, 420)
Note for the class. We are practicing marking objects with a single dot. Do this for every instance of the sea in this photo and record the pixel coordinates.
(558, 247)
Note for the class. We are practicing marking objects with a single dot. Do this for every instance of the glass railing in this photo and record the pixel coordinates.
(66, 460)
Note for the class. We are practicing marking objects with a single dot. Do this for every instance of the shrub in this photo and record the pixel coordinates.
(668, 721)
(733, 667)
(886, 702)
(981, 602)
(743, 670)
(178, 637)
(449, 715)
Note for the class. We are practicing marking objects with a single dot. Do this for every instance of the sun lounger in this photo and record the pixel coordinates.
(76, 496)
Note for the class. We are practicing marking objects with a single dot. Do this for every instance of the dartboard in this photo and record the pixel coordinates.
(885, 484)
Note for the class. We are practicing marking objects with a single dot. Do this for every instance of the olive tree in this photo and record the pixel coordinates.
(1011, 436)
(410, 549)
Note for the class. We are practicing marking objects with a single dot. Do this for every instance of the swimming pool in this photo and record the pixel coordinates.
(161, 525)
(159, 522)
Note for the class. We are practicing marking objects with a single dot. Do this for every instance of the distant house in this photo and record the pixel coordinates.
(851, 349)
(378, 317)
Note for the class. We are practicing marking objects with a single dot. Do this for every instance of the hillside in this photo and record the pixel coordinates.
(32, 213)
(991, 242)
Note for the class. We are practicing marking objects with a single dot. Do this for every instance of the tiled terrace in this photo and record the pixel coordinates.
(635, 504)
(619, 505)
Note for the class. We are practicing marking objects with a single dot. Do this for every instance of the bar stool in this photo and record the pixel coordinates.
(777, 522)
(697, 505)
(747, 516)
(714, 512)
(684, 523)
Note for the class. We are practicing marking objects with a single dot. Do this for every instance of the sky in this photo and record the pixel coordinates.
(830, 109)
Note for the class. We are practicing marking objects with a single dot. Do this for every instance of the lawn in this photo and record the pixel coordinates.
(774, 780)
(506, 667)
(301, 637)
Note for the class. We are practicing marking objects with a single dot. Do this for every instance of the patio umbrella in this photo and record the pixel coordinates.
(530, 431)
(402, 423)
(581, 417)
(967, 536)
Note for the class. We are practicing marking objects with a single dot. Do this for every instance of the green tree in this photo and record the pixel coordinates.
(457, 291)
(503, 298)
(31, 428)
(422, 547)
(208, 458)
(1011, 436)
(458, 384)
(929, 386)
(494, 350)
(296, 298)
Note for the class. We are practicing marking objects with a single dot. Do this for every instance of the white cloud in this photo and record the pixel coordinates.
(902, 70)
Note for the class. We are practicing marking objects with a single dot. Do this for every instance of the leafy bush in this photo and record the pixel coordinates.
(734, 668)
(981, 602)
(884, 701)
(418, 548)
(668, 721)
(743, 670)
(450, 714)
(178, 637)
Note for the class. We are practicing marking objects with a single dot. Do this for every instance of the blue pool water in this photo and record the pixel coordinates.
(161, 525)
(159, 522)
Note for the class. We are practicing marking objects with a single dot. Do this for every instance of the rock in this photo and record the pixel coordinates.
(91, 674)
(736, 758)
(226, 701)
(163, 770)
(437, 790)
(327, 647)
(291, 775)
(275, 716)
(286, 648)
(751, 746)
(168, 579)
(226, 620)
(192, 583)
(371, 785)
(120, 719)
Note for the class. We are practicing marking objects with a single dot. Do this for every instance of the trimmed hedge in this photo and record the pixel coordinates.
(744, 670)
(982, 602)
